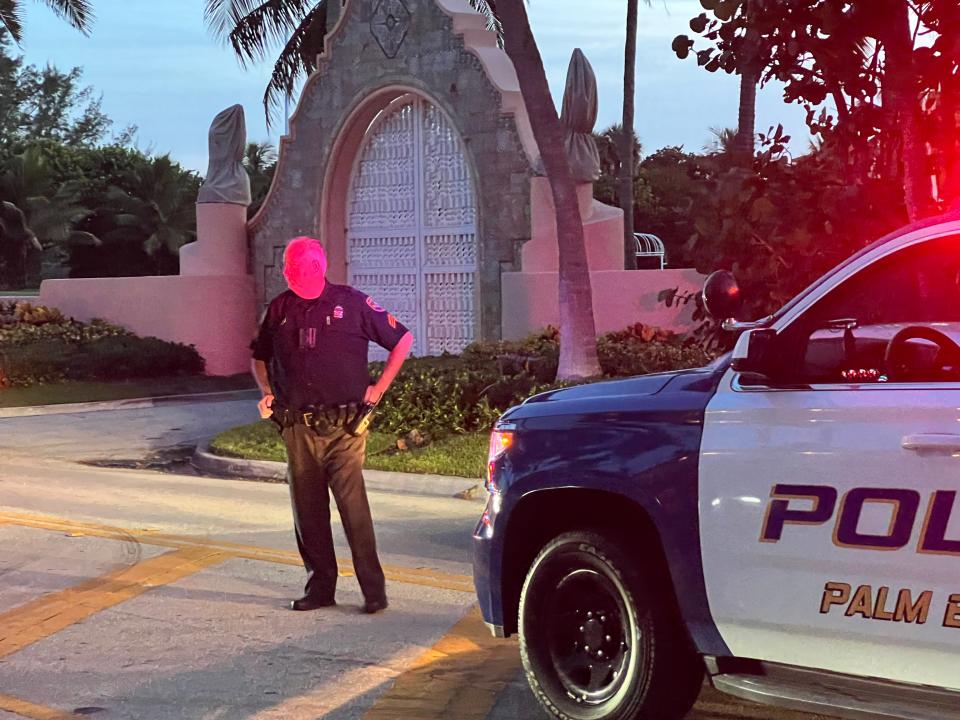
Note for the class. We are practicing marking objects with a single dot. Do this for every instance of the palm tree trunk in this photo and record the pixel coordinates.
(578, 335)
(744, 144)
(900, 96)
(627, 149)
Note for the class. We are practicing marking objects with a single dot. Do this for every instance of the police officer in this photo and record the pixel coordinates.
(310, 361)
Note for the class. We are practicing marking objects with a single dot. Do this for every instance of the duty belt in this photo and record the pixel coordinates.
(316, 417)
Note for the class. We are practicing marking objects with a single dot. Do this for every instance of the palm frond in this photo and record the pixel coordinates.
(11, 19)
(488, 8)
(76, 12)
(253, 29)
(221, 16)
(296, 59)
(259, 156)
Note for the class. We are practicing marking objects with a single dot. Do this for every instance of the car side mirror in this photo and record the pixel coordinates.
(754, 352)
(721, 295)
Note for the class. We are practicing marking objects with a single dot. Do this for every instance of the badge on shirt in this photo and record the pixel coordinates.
(338, 312)
(373, 305)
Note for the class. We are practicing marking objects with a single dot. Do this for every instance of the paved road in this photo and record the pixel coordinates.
(123, 434)
(138, 594)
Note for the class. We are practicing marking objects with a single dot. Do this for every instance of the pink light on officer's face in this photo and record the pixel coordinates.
(305, 267)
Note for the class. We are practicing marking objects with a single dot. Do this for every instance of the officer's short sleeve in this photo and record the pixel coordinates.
(380, 326)
(262, 345)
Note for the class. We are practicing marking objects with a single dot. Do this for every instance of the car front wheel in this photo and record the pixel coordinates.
(598, 639)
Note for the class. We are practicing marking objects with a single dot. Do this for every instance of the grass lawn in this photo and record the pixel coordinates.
(73, 392)
(459, 455)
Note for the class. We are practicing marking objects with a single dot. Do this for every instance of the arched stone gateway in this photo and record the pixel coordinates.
(412, 224)
(410, 156)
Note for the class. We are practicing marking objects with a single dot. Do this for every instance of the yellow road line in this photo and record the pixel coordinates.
(409, 576)
(32, 712)
(47, 615)
(459, 677)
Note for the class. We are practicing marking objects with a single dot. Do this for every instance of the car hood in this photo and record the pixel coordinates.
(635, 386)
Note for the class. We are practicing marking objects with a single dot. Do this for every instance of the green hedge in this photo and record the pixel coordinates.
(38, 345)
(440, 396)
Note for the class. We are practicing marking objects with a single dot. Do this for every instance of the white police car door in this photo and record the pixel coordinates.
(828, 501)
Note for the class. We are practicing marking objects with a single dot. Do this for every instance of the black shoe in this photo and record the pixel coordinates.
(308, 602)
(371, 607)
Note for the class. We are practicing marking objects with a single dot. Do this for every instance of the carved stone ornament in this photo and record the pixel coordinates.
(389, 25)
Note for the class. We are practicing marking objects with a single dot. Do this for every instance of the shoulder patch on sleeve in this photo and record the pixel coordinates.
(373, 305)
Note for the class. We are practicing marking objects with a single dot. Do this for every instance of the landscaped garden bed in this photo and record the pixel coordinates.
(436, 416)
(47, 358)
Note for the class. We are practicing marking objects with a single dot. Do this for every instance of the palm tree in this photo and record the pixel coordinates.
(578, 335)
(254, 27)
(744, 143)
(724, 141)
(260, 161)
(259, 157)
(627, 134)
(36, 215)
(159, 208)
(77, 13)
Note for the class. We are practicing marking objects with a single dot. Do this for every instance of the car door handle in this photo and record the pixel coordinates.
(932, 443)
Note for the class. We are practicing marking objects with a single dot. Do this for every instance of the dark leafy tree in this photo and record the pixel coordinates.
(877, 77)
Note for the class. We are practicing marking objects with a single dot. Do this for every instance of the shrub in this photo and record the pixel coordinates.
(110, 358)
(439, 396)
(640, 350)
(637, 350)
(38, 345)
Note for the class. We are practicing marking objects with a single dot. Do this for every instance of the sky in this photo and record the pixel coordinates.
(162, 71)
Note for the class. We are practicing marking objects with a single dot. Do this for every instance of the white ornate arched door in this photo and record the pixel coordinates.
(411, 225)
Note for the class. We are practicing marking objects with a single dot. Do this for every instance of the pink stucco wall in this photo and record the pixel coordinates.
(602, 231)
(620, 298)
(221, 245)
(216, 313)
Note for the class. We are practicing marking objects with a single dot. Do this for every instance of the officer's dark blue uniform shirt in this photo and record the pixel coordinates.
(316, 350)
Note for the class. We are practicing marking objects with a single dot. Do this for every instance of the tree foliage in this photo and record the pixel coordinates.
(69, 202)
(878, 78)
(47, 104)
(260, 162)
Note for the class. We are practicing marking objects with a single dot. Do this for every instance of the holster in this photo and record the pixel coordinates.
(361, 420)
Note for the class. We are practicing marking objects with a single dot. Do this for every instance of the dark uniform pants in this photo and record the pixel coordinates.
(318, 465)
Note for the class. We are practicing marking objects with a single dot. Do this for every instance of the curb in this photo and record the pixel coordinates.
(126, 404)
(379, 480)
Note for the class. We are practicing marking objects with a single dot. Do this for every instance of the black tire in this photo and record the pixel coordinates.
(583, 589)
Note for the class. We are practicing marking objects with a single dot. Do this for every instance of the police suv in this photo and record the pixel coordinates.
(784, 520)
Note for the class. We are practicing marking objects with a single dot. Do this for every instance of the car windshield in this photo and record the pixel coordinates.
(856, 257)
